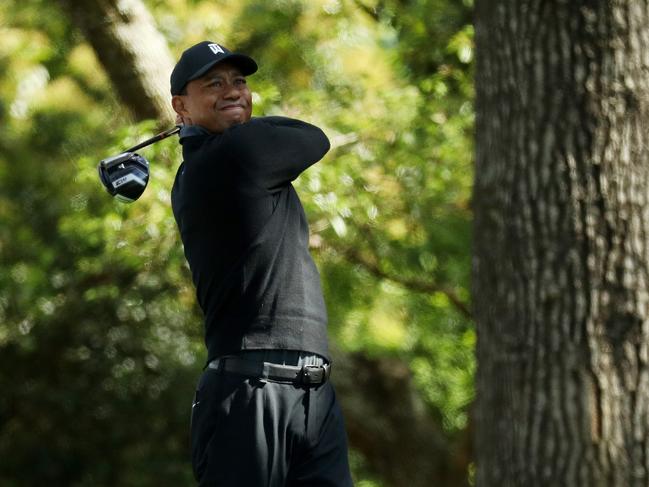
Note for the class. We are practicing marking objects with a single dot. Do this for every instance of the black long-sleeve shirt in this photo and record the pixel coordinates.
(245, 235)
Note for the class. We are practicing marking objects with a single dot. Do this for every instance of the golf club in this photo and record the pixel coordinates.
(126, 175)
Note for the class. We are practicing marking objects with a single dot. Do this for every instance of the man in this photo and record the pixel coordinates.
(264, 413)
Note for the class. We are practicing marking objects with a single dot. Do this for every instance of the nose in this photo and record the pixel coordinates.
(231, 92)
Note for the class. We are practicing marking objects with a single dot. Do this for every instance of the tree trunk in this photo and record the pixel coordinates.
(134, 54)
(388, 422)
(561, 267)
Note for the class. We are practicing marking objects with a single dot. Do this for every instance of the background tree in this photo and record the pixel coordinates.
(561, 268)
(132, 52)
(99, 292)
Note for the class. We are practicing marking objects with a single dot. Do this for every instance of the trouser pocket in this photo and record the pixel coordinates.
(204, 419)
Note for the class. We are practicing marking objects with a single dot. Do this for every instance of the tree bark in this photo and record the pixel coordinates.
(132, 51)
(561, 267)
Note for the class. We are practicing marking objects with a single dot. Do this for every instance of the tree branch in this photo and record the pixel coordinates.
(134, 54)
(373, 12)
(411, 283)
(420, 285)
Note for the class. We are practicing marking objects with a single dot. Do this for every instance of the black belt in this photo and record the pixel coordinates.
(305, 375)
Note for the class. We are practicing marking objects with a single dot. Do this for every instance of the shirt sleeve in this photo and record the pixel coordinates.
(273, 151)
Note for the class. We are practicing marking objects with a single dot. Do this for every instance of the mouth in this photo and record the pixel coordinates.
(228, 108)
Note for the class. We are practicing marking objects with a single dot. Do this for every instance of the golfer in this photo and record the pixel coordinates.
(264, 413)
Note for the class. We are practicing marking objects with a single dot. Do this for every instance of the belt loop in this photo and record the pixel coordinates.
(218, 365)
(265, 373)
(213, 364)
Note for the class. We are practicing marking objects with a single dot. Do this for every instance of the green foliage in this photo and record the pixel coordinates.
(100, 336)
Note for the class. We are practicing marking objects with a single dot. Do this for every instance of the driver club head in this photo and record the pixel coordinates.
(125, 176)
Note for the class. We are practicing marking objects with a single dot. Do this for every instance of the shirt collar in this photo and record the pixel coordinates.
(192, 131)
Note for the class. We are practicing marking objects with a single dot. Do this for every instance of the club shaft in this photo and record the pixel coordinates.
(155, 138)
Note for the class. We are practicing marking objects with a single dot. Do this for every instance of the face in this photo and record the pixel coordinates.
(217, 100)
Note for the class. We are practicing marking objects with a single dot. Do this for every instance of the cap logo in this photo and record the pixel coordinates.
(216, 48)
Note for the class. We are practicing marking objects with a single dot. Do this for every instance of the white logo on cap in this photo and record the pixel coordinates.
(216, 48)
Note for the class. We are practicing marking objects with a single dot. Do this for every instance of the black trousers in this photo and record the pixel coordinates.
(248, 432)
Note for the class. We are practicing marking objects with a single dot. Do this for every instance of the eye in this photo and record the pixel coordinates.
(217, 83)
(240, 81)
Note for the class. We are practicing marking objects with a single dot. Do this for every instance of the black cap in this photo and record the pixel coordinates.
(199, 59)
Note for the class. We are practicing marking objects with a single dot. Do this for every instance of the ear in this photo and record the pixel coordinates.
(178, 103)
